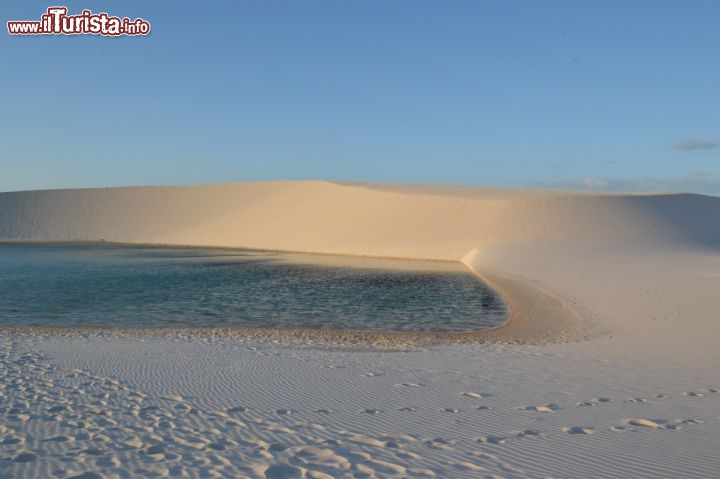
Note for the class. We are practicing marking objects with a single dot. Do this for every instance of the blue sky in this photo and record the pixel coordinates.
(606, 95)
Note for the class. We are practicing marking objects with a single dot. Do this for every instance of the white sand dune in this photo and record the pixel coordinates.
(640, 400)
(410, 222)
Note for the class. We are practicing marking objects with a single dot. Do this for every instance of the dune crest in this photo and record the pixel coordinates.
(417, 222)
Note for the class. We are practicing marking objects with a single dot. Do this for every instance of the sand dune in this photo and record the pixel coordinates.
(639, 400)
(312, 216)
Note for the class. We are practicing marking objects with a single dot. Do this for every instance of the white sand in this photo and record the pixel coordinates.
(638, 401)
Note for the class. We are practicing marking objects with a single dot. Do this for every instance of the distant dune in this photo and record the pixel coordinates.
(420, 222)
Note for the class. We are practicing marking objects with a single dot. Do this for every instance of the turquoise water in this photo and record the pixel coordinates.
(109, 285)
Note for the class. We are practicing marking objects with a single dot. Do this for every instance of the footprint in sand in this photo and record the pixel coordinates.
(363, 439)
(284, 471)
(370, 411)
(93, 451)
(649, 423)
(544, 408)
(580, 430)
(408, 385)
(60, 438)
(237, 409)
(324, 411)
(393, 445)
(635, 400)
(484, 408)
(491, 440)
(475, 395)
(108, 462)
(694, 394)
(469, 467)
(407, 409)
(183, 408)
(693, 422)
(19, 417)
(679, 424)
(25, 457)
(440, 443)
(594, 402)
(87, 475)
(12, 441)
(372, 374)
(157, 449)
(450, 410)
(529, 433)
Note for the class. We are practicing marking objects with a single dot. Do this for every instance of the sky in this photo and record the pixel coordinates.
(610, 95)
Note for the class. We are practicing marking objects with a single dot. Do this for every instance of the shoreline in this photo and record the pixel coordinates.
(557, 322)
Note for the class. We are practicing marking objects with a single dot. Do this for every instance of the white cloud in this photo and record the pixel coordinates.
(691, 144)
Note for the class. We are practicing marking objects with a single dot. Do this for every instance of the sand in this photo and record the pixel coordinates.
(607, 368)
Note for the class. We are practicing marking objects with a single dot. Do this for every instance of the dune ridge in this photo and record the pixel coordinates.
(431, 222)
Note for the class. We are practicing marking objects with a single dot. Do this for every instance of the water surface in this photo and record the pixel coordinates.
(109, 285)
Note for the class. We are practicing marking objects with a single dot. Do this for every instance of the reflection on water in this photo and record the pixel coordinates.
(109, 285)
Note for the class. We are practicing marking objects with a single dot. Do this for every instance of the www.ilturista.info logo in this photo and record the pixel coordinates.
(57, 22)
